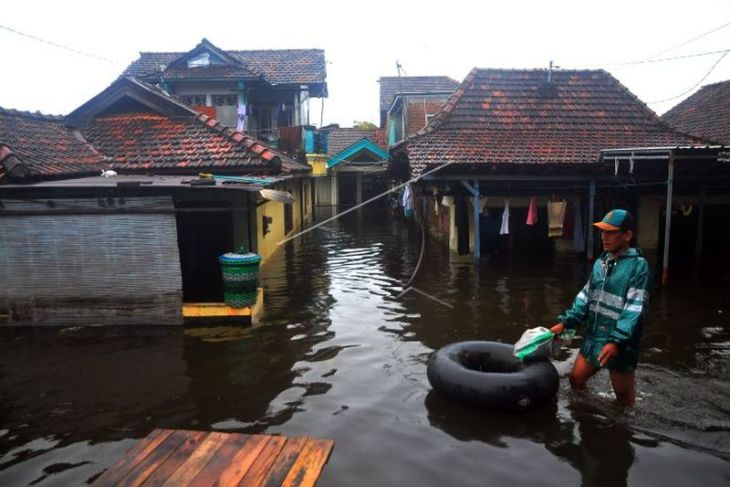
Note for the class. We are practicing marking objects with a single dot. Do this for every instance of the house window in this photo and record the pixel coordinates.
(225, 100)
(288, 218)
(192, 100)
(199, 60)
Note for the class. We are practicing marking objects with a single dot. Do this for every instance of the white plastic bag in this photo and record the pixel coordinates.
(534, 344)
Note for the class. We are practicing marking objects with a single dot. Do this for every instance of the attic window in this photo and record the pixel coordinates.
(199, 60)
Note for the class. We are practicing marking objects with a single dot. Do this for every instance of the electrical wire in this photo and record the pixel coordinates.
(60, 46)
(650, 61)
(712, 68)
(689, 41)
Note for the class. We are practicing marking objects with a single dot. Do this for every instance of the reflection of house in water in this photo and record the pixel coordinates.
(128, 249)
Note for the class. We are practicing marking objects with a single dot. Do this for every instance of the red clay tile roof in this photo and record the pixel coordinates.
(339, 139)
(390, 86)
(152, 142)
(277, 67)
(45, 147)
(515, 116)
(705, 114)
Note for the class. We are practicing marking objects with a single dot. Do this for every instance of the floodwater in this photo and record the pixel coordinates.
(340, 355)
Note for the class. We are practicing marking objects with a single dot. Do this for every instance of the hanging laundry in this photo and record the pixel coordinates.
(532, 212)
(578, 232)
(556, 218)
(483, 200)
(241, 115)
(408, 202)
(447, 201)
(504, 229)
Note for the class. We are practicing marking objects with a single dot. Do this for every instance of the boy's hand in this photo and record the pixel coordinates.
(609, 351)
(558, 328)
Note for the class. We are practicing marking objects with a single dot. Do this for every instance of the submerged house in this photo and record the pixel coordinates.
(578, 139)
(84, 249)
(259, 92)
(354, 168)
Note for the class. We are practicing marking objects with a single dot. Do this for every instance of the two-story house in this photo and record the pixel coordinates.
(407, 103)
(258, 92)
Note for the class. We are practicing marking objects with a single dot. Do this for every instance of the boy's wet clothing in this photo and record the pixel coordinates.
(612, 304)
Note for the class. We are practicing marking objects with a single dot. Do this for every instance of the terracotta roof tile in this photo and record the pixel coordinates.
(339, 139)
(278, 67)
(515, 116)
(45, 146)
(705, 114)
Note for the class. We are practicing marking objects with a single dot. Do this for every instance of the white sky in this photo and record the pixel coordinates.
(362, 41)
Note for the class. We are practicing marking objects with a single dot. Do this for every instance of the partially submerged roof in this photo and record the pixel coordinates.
(516, 116)
(705, 114)
(33, 145)
(391, 86)
(283, 67)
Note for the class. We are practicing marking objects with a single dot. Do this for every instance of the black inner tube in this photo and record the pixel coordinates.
(487, 362)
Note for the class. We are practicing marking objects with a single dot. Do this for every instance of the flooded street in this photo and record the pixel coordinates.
(339, 355)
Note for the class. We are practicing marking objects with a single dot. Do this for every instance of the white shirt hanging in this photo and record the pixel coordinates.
(504, 229)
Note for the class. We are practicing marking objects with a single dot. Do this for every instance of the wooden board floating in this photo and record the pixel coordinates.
(180, 457)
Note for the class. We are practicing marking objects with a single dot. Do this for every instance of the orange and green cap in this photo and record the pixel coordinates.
(616, 220)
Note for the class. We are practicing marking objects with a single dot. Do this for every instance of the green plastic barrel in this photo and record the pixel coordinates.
(240, 278)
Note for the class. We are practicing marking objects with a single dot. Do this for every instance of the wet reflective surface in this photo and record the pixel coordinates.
(341, 356)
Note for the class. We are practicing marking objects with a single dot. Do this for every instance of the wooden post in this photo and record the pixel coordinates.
(668, 218)
(358, 187)
(591, 219)
(699, 242)
(477, 233)
(474, 191)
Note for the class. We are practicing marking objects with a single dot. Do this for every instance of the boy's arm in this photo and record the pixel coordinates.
(577, 313)
(637, 298)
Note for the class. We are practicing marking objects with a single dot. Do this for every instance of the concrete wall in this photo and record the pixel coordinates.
(268, 244)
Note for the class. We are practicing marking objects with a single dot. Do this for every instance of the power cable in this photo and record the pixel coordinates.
(59, 46)
(688, 41)
(649, 61)
(712, 68)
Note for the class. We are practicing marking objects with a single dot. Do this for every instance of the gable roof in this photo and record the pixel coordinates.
(339, 139)
(277, 67)
(33, 145)
(141, 128)
(359, 147)
(391, 86)
(705, 114)
(516, 116)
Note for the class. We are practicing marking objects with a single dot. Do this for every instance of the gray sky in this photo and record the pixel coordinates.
(362, 41)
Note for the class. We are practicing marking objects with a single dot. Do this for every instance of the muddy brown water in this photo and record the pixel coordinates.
(339, 355)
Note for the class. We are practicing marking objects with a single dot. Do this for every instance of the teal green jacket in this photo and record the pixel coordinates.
(614, 298)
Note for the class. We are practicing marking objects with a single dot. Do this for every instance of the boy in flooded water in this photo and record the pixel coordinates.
(611, 303)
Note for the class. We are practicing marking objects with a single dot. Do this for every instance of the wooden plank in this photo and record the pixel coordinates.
(193, 439)
(133, 457)
(257, 473)
(242, 461)
(151, 462)
(199, 458)
(309, 464)
(233, 444)
(284, 461)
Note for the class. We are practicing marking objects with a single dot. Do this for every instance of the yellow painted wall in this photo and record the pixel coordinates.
(268, 244)
(318, 163)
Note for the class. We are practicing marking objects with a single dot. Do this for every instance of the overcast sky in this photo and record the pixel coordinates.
(362, 41)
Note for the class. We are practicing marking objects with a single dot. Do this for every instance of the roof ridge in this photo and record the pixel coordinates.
(28, 114)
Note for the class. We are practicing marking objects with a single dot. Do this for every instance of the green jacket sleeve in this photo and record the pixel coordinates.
(578, 312)
(637, 298)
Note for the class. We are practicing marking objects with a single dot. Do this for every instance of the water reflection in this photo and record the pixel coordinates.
(339, 355)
